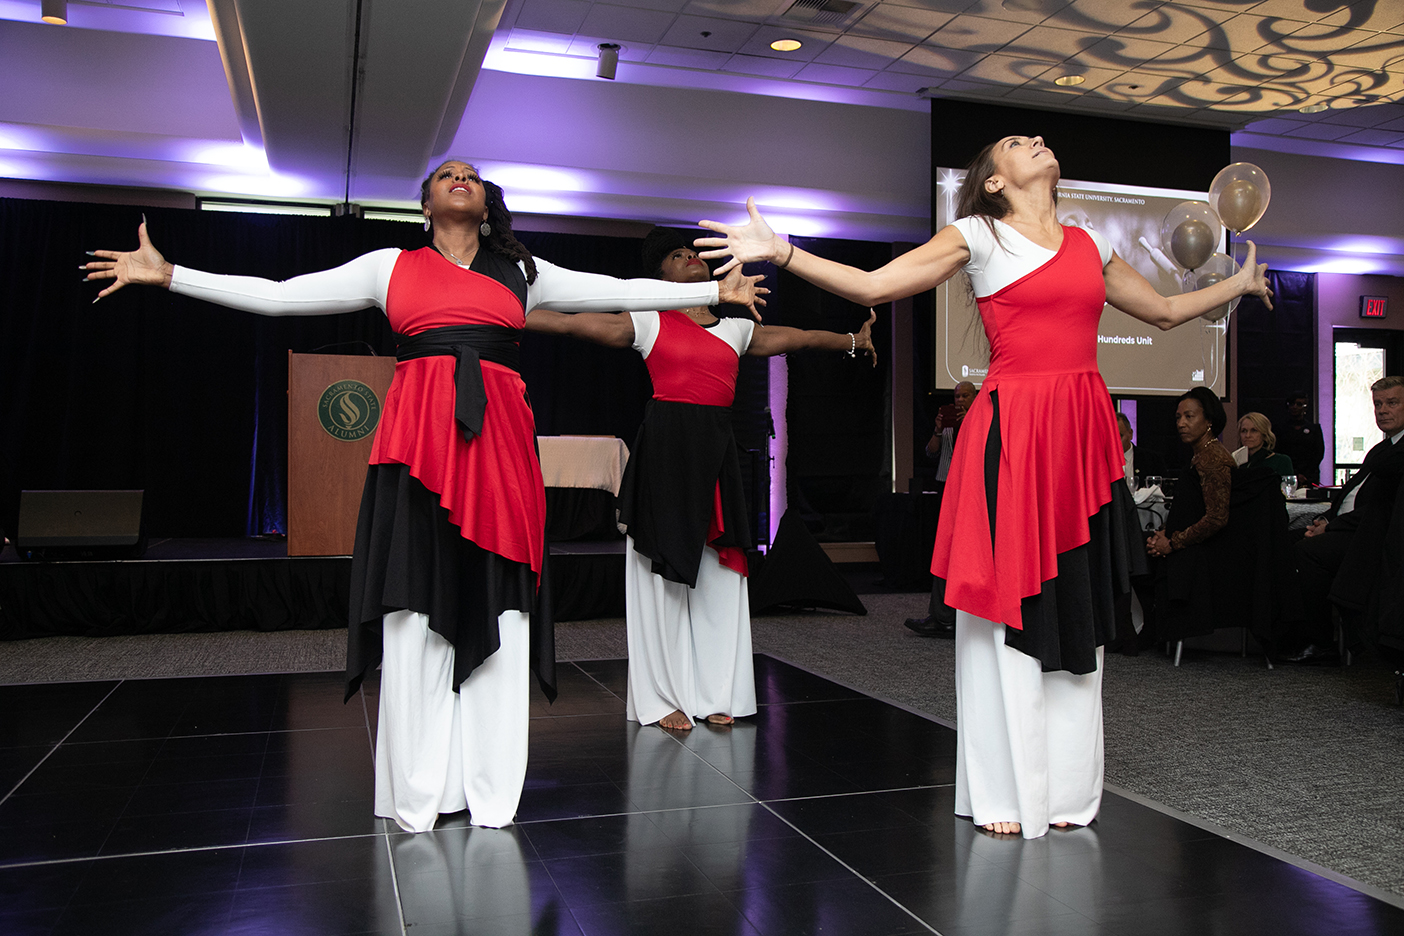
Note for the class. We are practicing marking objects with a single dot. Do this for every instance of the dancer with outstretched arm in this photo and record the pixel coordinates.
(1037, 533)
(687, 606)
(451, 534)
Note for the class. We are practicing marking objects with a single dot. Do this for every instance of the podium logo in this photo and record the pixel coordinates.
(348, 410)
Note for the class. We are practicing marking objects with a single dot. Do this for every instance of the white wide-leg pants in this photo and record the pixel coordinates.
(1029, 743)
(689, 648)
(440, 751)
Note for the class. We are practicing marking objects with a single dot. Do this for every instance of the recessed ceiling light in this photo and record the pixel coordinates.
(1315, 108)
(1067, 81)
(785, 45)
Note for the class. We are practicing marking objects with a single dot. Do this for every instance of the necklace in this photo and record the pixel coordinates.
(450, 254)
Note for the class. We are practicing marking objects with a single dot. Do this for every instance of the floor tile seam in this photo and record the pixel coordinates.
(818, 796)
(78, 859)
(867, 693)
(632, 812)
(592, 677)
(395, 884)
(1216, 830)
(59, 743)
(894, 901)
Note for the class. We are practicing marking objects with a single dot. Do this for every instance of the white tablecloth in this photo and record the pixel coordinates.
(595, 462)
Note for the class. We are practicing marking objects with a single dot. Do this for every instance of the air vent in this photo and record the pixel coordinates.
(820, 12)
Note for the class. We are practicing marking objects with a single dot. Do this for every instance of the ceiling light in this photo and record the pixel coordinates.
(55, 11)
(609, 60)
(785, 45)
(1315, 108)
(1067, 81)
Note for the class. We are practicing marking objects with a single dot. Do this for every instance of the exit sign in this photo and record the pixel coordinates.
(1373, 306)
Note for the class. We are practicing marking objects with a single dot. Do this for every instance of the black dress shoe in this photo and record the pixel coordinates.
(930, 627)
(1312, 655)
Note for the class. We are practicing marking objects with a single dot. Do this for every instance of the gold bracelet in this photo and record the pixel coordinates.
(788, 257)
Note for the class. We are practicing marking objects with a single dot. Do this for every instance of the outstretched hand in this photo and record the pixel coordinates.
(145, 265)
(746, 243)
(739, 289)
(864, 338)
(1255, 275)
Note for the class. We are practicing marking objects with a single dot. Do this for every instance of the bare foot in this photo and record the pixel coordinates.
(720, 719)
(1060, 825)
(675, 721)
(1001, 828)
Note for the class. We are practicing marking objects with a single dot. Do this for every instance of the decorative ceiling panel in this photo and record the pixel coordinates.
(890, 21)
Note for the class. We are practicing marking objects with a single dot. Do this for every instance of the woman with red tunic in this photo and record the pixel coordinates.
(450, 539)
(1036, 534)
(687, 607)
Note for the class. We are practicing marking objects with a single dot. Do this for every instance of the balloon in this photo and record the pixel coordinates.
(1190, 234)
(1240, 194)
(1191, 243)
(1216, 269)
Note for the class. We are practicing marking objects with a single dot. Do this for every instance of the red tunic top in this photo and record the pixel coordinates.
(1060, 451)
(688, 364)
(492, 486)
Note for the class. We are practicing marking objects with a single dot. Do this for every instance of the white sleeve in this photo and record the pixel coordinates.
(743, 330)
(560, 290)
(1104, 246)
(362, 283)
(645, 331)
(978, 239)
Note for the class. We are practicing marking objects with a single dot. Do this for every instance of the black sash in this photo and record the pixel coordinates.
(471, 344)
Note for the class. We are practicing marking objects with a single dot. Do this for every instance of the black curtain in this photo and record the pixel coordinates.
(837, 410)
(1277, 346)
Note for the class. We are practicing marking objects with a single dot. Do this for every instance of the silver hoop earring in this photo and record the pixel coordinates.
(485, 229)
(426, 224)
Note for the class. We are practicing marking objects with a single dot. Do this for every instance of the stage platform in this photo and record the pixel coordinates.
(198, 585)
(224, 805)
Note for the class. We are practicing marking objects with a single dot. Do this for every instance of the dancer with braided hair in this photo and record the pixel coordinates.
(450, 540)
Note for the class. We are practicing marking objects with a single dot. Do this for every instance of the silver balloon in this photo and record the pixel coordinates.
(1239, 195)
(1190, 234)
(1216, 269)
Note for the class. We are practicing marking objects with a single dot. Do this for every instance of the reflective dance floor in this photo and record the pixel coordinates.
(243, 805)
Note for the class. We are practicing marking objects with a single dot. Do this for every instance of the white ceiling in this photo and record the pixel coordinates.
(256, 97)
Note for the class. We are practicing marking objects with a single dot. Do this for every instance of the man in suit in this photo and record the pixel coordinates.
(1339, 558)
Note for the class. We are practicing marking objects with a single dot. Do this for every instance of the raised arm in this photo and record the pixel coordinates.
(612, 331)
(923, 268)
(778, 339)
(356, 285)
(1128, 291)
(560, 290)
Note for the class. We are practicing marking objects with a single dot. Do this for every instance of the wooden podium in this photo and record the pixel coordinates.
(335, 402)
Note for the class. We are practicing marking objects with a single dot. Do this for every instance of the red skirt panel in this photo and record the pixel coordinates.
(1059, 453)
(492, 486)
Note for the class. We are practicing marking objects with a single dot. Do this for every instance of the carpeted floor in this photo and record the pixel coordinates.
(1306, 760)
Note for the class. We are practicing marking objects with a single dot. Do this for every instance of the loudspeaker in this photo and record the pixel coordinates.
(80, 525)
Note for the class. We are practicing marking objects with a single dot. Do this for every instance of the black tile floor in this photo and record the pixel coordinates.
(242, 805)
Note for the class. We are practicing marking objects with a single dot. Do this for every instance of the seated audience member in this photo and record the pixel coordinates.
(1140, 463)
(1350, 556)
(1256, 435)
(940, 617)
(1200, 509)
(1301, 440)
